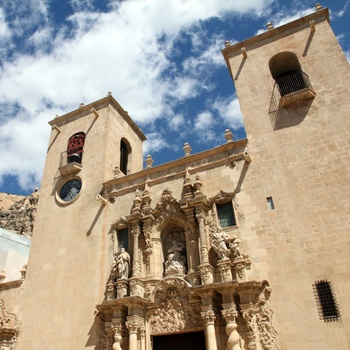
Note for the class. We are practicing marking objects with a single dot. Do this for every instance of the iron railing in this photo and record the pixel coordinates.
(292, 82)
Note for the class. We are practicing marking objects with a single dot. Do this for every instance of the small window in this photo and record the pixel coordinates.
(226, 215)
(326, 303)
(75, 148)
(124, 156)
(270, 204)
(123, 239)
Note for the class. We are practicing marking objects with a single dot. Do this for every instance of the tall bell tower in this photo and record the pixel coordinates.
(293, 85)
(87, 147)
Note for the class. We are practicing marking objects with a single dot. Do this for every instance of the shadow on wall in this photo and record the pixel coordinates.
(286, 117)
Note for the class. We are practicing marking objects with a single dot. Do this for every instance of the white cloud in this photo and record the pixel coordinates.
(126, 50)
(229, 110)
(286, 16)
(4, 29)
(341, 13)
(347, 55)
(155, 142)
(204, 121)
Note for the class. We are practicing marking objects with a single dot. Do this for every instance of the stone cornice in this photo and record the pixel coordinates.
(235, 50)
(176, 169)
(87, 109)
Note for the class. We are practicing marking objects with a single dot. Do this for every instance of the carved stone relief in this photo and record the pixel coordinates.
(174, 312)
(267, 333)
(9, 328)
(174, 246)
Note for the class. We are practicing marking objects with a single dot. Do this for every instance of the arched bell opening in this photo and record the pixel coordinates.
(75, 148)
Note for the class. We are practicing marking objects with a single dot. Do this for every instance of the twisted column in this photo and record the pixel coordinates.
(118, 339)
(230, 315)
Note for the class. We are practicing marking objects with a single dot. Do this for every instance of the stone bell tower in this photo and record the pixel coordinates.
(293, 85)
(87, 146)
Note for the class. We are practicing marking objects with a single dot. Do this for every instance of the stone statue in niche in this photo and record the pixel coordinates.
(223, 245)
(175, 252)
(121, 265)
(175, 263)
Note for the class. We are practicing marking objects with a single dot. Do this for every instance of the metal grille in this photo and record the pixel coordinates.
(225, 214)
(326, 302)
(291, 82)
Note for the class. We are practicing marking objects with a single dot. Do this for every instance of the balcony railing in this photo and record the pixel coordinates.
(292, 88)
(70, 165)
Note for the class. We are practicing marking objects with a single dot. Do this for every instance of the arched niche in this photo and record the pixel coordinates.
(174, 250)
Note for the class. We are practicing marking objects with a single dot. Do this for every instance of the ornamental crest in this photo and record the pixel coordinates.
(174, 312)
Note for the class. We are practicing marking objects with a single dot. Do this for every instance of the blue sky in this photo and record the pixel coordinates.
(161, 59)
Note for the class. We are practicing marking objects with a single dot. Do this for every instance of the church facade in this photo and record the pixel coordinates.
(243, 246)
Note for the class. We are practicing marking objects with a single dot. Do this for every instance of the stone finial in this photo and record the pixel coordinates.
(109, 93)
(149, 161)
(81, 105)
(187, 149)
(23, 272)
(197, 186)
(228, 135)
(227, 43)
(117, 172)
(137, 203)
(269, 26)
(2, 275)
(318, 7)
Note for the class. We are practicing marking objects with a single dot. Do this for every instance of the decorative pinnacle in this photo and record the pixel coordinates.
(149, 161)
(318, 7)
(187, 149)
(228, 135)
(269, 26)
(227, 43)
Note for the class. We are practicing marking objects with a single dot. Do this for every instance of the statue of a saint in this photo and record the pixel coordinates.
(219, 241)
(121, 265)
(175, 263)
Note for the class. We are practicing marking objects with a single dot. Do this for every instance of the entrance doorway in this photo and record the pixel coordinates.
(183, 341)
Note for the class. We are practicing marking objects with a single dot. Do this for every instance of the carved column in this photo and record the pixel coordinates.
(118, 338)
(209, 317)
(202, 237)
(230, 313)
(136, 264)
(133, 327)
(142, 338)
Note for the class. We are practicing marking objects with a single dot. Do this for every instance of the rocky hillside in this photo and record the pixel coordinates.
(17, 213)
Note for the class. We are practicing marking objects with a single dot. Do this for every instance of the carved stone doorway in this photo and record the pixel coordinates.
(183, 341)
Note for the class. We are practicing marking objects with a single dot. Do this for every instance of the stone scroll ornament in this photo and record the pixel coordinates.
(267, 333)
(9, 328)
